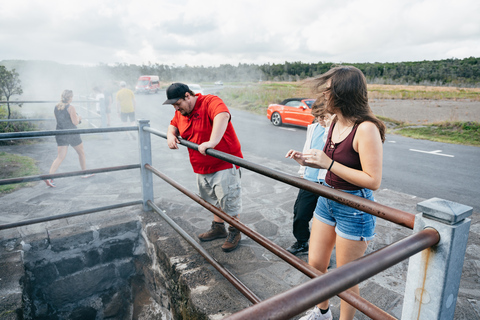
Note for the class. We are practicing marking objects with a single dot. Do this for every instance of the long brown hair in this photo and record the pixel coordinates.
(67, 95)
(347, 94)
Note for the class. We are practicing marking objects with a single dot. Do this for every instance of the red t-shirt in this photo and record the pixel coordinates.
(197, 128)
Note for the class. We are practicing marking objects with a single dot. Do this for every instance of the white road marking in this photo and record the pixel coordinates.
(436, 152)
(288, 129)
(391, 141)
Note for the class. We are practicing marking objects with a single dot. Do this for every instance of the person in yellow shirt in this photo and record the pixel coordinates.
(125, 101)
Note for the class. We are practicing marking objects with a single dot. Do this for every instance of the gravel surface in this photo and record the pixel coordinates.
(427, 111)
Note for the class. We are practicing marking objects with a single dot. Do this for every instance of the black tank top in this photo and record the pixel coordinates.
(343, 153)
(64, 121)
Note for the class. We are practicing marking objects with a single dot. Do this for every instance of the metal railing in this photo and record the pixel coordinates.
(433, 227)
(321, 288)
(35, 134)
(354, 299)
(92, 115)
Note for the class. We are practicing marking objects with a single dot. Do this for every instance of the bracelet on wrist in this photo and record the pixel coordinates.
(331, 164)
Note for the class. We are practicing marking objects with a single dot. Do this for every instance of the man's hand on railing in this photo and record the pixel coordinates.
(172, 141)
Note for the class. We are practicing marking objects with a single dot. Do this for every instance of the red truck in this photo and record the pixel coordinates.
(147, 84)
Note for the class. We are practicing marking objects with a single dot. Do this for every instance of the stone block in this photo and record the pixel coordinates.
(119, 227)
(126, 269)
(69, 265)
(266, 228)
(44, 274)
(117, 249)
(11, 307)
(35, 237)
(116, 303)
(11, 268)
(85, 284)
(70, 237)
(83, 312)
(92, 258)
(11, 272)
(10, 240)
(390, 301)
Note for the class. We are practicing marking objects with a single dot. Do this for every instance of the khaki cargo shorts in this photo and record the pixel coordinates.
(222, 189)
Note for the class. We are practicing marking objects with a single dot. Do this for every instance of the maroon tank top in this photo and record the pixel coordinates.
(343, 153)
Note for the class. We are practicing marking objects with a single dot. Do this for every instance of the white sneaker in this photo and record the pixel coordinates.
(315, 314)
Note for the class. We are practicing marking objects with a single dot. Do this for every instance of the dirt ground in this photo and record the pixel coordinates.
(427, 111)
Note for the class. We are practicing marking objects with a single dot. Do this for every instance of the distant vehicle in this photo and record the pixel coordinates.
(219, 83)
(196, 88)
(148, 84)
(297, 111)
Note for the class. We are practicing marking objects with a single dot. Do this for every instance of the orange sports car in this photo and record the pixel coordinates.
(297, 111)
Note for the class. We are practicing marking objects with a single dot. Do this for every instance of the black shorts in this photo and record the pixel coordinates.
(126, 116)
(68, 139)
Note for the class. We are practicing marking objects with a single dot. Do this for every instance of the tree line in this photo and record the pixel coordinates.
(448, 72)
(46, 78)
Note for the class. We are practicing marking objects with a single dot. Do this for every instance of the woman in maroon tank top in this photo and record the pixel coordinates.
(353, 156)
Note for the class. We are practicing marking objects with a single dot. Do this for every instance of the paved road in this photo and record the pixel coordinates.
(422, 168)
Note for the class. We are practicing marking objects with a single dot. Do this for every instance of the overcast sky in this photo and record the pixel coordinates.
(211, 32)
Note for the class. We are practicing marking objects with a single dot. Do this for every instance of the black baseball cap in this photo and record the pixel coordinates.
(175, 92)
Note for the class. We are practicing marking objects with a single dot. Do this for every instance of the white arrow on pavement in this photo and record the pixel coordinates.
(435, 152)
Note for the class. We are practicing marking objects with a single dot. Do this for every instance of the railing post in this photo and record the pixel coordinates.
(145, 147)
(433, 277)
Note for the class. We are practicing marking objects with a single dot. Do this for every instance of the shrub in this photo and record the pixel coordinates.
(6, 127)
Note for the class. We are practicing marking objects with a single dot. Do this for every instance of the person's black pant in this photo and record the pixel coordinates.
(303, 213)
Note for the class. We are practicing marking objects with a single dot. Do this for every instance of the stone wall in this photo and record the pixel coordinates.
(79, 268)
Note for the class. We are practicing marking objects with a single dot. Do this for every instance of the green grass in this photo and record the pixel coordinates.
(256, 97)
(466, 133)
(424, 95)
(15, 166)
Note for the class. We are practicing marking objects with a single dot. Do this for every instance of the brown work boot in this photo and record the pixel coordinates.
(216, 231)
(233, 239)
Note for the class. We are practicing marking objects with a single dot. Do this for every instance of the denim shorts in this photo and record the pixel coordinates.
(350, 223)
(223, 189)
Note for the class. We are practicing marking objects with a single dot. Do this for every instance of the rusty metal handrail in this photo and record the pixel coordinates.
(302, 297)
(225, 272)
(351, 297)
(391, 214)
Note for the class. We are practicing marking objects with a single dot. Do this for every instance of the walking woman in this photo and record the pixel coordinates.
(353, 156)
(67, 118)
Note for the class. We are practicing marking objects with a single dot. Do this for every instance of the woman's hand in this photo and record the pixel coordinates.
(297, 156)
(317, 159)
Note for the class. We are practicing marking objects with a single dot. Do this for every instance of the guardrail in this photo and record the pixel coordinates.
(36, 134)
(433, 278)
(92, 115)
(448, 226)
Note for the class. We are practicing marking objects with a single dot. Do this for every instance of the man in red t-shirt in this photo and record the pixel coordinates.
(205, 120)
